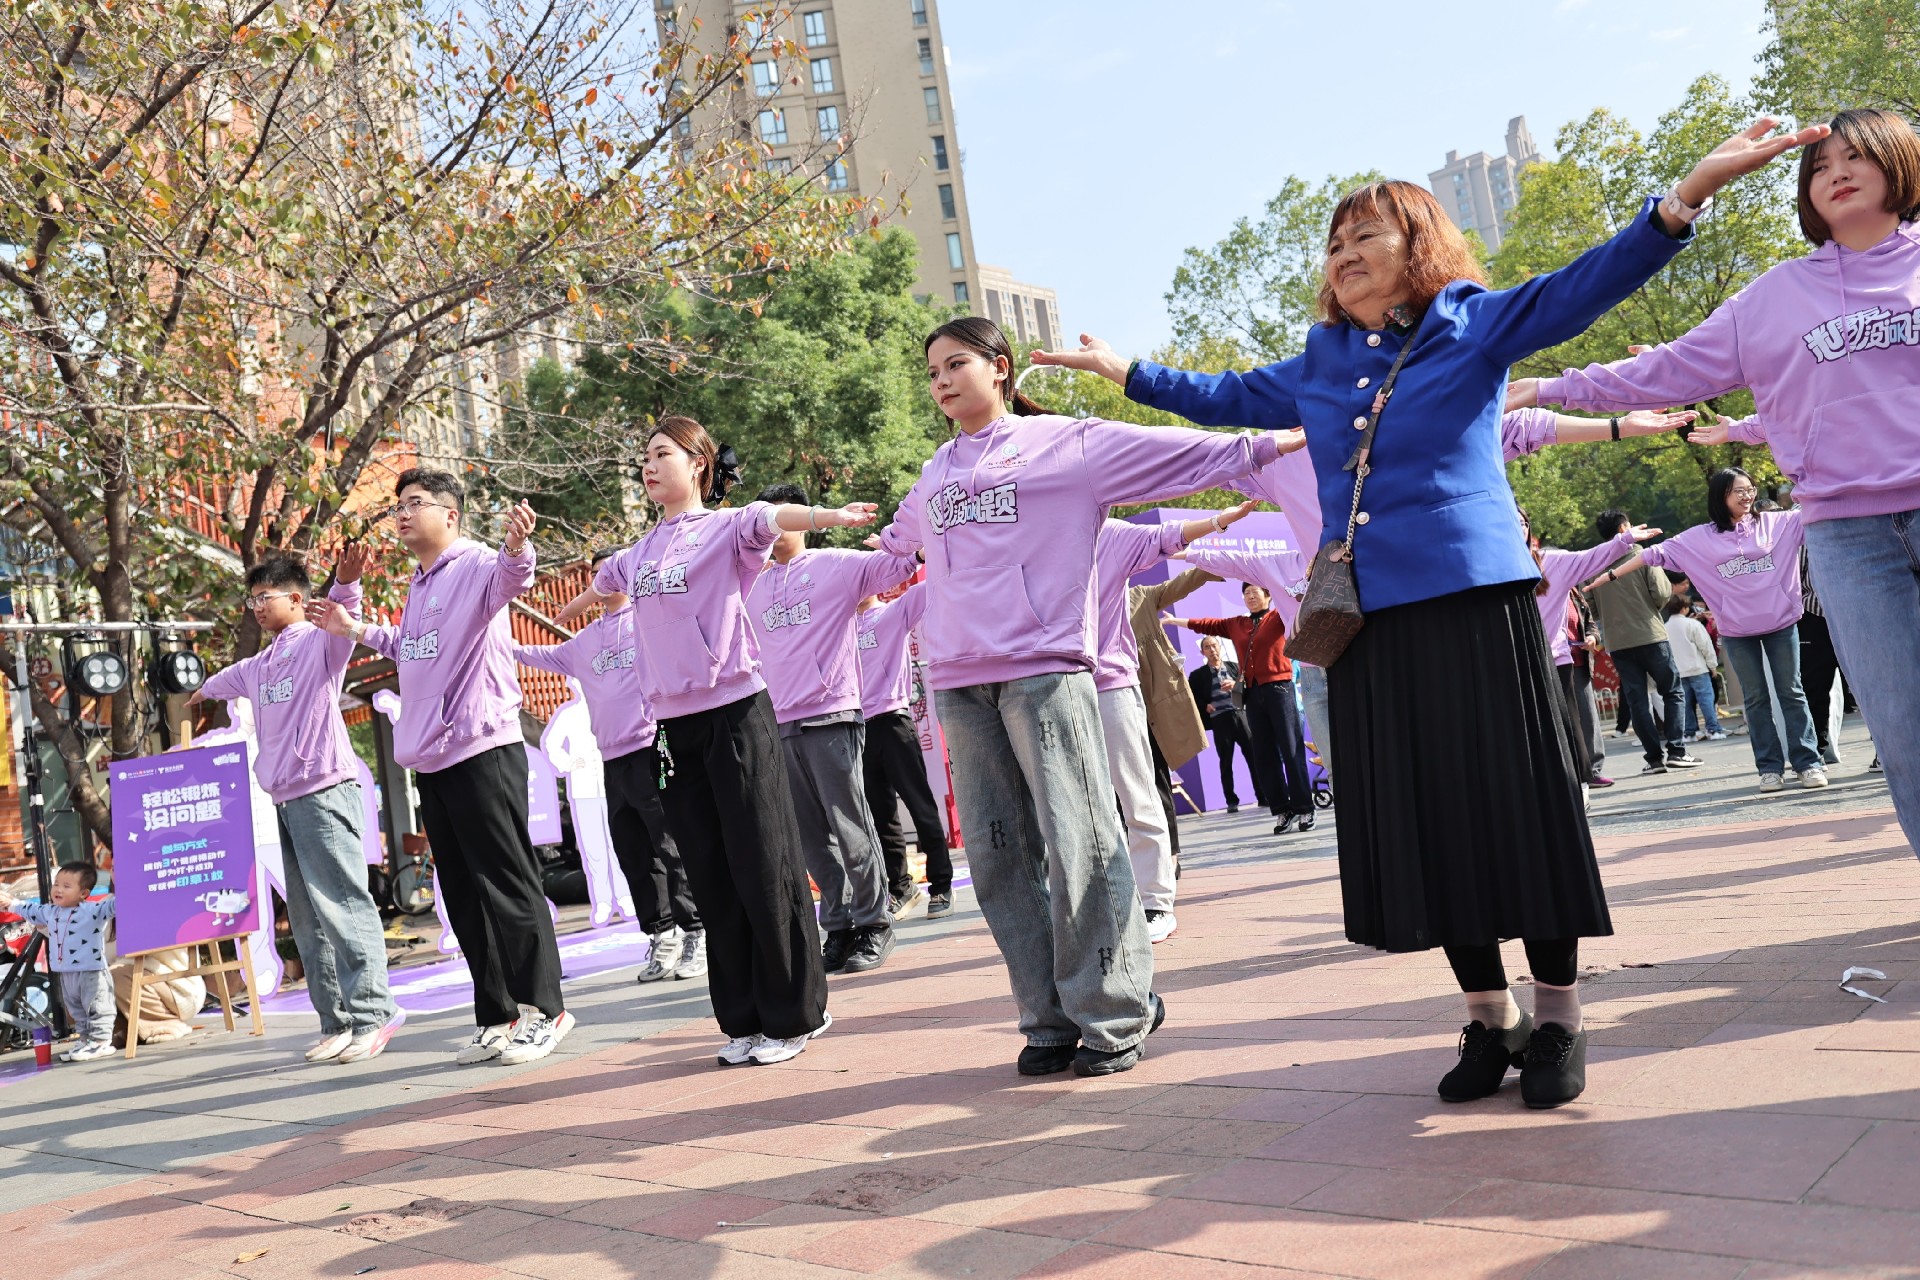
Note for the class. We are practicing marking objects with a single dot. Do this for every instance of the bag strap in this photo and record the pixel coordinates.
(1358, 462)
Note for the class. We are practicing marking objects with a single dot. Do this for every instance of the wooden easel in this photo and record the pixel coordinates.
(213, 967)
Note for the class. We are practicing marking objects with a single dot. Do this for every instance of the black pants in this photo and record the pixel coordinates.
(731, 814)
(1554, 961)
(896, 772)
(1163, 782)
(476, 818)
(1639, 665)
(646, 849)
(1230, 730)
(1279, 748)
(1818, 663)
(1577, 740)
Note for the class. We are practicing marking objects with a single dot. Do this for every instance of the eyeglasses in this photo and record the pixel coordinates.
(260, 601)
(413, 506)
(1743, 491)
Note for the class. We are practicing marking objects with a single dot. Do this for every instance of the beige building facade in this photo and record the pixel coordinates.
(1479, 191)
(1028, 312)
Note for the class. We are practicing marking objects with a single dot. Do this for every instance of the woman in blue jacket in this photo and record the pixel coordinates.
(1461, 822)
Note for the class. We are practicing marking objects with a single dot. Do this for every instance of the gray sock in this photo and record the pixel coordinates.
(1494, 1009)
(1559, 1005)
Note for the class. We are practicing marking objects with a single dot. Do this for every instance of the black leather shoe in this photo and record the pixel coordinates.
(1485, 1055)
(1045, 1059)
(833, 956)
(1285, 824)
(871, 947)
(1554, 1072)
(1306, 822)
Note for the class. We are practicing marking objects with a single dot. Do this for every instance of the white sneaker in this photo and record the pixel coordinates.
(1718, 735)
(738, 1051)
(538, 1036)
(663, 955)
(91, 1051)
(487, 1043)
(372, 1042)
(1770, 782)
(1815, 777)
(770, 1051)
(327, 1048)
(1160, 926)
(693, 955)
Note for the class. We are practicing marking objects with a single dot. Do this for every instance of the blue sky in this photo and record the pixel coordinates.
(1103, 137)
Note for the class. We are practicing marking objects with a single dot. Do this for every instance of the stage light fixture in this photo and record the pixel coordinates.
(177, 671)
(98, 674)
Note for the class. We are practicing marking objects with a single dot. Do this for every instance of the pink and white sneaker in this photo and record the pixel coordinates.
(371, 1044)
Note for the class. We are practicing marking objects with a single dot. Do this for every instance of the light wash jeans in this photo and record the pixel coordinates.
(1867, 571)
(1312, 683)
(1753, 657)
(1123, 724)
(1050, 869)
(1702, 711)
(336, 927)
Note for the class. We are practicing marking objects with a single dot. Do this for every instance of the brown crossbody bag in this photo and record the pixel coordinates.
(1330, 615)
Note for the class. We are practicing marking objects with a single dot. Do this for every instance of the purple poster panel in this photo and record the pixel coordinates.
(183, 848)
(543, 798)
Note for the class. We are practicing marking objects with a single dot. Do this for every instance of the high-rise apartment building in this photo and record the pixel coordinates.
(1026, 311)
(1479, 191)
(875, 74)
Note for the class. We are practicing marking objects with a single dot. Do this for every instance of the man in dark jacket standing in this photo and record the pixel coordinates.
(1216, 691)
(1628, 605)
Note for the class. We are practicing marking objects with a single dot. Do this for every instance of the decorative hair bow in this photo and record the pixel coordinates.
(726, 473)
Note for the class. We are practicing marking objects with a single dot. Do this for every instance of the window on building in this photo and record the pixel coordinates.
(919, 12)
(822, 75)
(766, 78)
(940, 152)
(931, 96)
(815, 26)
(837, 176)
(780, 164)
(955, 258)
(946, 201)
(960, 292)
(926, 57)
(828, 119)
(773, 126)
(753, 32)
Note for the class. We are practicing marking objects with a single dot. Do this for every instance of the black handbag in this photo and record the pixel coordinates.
(1330, 615)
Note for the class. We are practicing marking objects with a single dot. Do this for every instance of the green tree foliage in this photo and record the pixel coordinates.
(1604, 172)
(1827, 55)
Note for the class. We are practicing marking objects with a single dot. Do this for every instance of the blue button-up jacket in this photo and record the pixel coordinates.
(1437, 513)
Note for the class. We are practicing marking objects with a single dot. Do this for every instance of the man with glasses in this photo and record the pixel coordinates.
(305, 762)
(459, 731)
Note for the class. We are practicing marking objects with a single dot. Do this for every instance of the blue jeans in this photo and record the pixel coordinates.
(1779, 652)
(1867, 571)
(335, 925)
(1050, 867)
(1699, 690)
(1312, 683)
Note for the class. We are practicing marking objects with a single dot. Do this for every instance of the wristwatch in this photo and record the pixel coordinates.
(1679, 210)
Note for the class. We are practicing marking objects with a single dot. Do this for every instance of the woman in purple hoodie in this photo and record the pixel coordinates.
(1008, 513)
(725, 776)
(1829, 344)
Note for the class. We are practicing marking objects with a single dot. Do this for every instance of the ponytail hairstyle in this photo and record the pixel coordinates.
(716, 468)
(984, 338)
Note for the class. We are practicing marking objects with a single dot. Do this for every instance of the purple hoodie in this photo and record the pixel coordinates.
(689, 578)
(1750, 576)
(886, 669)
(453, 650)
(1830, 346)
(1008, 518)
(600, 656)
(1282, 572)
(1562, 571)
(294, 685)
(802, 614)
(1121, 551)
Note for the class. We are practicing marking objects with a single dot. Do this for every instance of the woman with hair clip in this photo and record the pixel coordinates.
(1461, 816)
(1746, 565)
(1008, 513)
(726, 795)
(1827, 344)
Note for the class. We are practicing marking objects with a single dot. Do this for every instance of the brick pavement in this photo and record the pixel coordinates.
(1745, 1117)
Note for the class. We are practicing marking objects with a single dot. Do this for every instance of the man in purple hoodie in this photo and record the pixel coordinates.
(460, 733)
(306, 764)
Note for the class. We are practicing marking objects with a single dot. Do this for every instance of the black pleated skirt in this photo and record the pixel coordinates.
(1460, 815)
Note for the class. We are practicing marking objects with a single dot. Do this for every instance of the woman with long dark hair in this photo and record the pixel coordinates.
(1008, 513)
(1461, 820)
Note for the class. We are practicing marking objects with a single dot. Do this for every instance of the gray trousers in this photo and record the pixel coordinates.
(1050, 870)
(88, 999)
(828, 780)
(1312, 683)
(336, 928)
(1123, 726)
